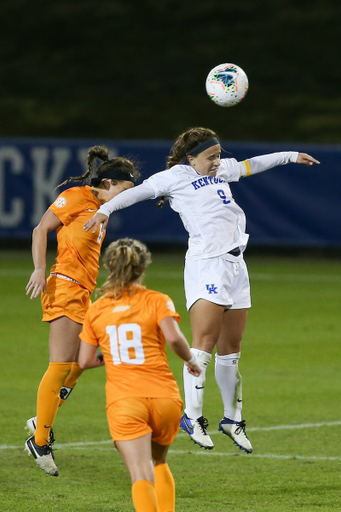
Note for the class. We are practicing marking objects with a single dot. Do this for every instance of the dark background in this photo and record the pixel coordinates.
(121, 69)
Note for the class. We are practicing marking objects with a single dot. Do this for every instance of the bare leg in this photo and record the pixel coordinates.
(64, 340)
(231, 332)
(206, 319)
(137, 457)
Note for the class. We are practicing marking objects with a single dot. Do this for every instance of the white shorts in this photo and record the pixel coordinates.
(217, 280)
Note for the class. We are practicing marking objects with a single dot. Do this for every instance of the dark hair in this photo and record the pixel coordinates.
(182, 147)
(187, 141)
(102, 153)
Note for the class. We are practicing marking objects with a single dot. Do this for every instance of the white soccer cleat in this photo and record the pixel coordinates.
(197, 431)
(43, 456)
(236, 431)
(31, 426)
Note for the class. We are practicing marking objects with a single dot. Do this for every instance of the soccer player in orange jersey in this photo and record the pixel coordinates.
(66, 292)
(130, 323)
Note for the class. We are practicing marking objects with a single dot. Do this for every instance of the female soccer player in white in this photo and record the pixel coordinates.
(216, 279)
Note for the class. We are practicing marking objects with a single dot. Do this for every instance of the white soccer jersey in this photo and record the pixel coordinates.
(214, 221)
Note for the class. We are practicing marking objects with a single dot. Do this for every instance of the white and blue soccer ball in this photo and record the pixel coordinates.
(227, 85)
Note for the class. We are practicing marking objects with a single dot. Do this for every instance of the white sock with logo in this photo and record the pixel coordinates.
(194, 386)
(229, 382)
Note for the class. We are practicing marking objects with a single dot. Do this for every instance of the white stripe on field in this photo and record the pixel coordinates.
(252, 429)
(170, 274)
(209, 453)
(206, 453)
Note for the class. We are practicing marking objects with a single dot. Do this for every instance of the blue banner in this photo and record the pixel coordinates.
(293, 205)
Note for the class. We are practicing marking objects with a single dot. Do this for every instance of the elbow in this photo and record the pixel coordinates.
(38, 232)
(83, 362)
(174, 341)
(35, 231)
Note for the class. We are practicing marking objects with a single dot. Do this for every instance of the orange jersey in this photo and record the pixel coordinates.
(133, 345)
(78, 251)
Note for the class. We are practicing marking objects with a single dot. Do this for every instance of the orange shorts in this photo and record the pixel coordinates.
(131, 418)
(64, 298)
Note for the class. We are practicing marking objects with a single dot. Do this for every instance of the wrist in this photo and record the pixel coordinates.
(193, 360)
(104, 209)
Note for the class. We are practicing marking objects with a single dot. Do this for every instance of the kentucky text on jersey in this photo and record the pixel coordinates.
(206, 180)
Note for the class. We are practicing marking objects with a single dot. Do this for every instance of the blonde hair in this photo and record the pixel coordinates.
(102, 153)
(126, 260)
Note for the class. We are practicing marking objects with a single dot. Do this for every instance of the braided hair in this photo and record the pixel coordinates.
(102, 153)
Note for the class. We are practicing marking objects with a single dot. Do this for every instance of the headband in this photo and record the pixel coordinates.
(112, 175)
(202, 146)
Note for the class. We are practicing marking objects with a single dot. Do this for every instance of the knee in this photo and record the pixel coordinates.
(206, 344)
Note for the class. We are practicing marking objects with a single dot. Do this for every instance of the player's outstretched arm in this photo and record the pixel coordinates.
(89, 357)
(37, 281)
(179, 344)
(122, 200)
(262, 163)
(304, 158)
(96, 221)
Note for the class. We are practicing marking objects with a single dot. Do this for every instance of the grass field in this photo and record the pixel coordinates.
(291, 394)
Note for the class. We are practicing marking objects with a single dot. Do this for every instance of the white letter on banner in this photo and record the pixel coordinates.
(44, 187)
(15, 159)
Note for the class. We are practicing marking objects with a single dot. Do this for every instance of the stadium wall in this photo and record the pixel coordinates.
(292, 206)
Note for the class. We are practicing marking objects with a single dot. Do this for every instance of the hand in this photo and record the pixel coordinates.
(100, 359)
(36, 284)
(193, 369)
(305, 159)
(96, 220)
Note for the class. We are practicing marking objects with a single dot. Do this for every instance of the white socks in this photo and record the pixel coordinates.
(194, 386)
(229, 381)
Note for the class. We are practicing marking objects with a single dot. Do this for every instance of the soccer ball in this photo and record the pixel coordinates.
(227, 85)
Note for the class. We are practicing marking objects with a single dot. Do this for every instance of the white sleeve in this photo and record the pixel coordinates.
(229, 169)
(162, 182)
(264, 162)
(127, 198)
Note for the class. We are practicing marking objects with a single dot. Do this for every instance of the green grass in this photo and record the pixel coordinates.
(291, 377)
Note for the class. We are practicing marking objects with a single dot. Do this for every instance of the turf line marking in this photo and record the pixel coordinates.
(183, 434)
(206, 453)
(209, 453)
(303, 425)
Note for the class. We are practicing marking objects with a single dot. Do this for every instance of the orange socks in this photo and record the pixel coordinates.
(164, 488)
(158, 498)
(70, 382)
(48, 399)
(144, 498)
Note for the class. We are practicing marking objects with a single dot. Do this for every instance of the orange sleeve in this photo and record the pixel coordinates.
(67, 204)
(165, 308)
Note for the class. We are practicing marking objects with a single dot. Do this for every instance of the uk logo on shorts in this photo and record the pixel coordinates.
(211, 288)
(60, 202)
